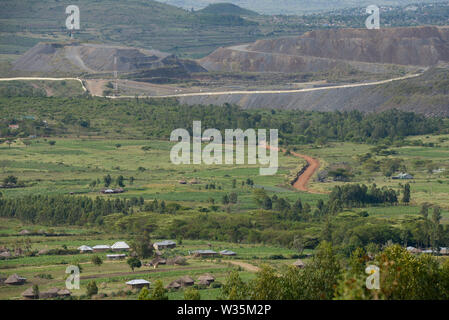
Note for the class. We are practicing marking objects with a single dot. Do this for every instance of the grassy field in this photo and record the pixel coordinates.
(427, 186)
(71, 164)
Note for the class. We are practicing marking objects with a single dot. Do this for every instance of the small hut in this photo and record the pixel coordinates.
(299, 264)
(186, 281)
(5, 255)
(228, 253)
(138, 284)
(64, 293)
(85, 249)
(49, 294)
(24, 232)
(206, 279)
(15, 280)
(42, 252)
(29, 294)
(204, 253)
(175, 285)
(182, 182)
(166, 244)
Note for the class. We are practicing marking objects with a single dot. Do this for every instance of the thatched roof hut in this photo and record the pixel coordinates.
(50, 293)
(15, 280)
(173, 285)
(186, 281)
(42, 252)
(5, 255)
(206, 277)
(30, 294)
(204, 283)
(64, 293)
(299, 264)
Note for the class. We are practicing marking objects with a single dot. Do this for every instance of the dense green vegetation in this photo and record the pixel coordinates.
(402, 276)
(147, 118)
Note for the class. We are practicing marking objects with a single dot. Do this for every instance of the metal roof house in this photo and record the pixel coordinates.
(115, 256)
(204, 253)
(120, 246)
(403, 176)
(84, 249)
(228, 253)
(138, 284)
(166, 244)
(101, 247)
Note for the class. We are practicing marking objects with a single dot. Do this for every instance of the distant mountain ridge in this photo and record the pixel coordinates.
(292, 6)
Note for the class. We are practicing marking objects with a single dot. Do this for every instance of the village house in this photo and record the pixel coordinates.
(166, 244)
(227, 253)
(115, 256)
(101, 248)
(186, 281)
(138, 284)
(204, 253)
(85, 249)
(64, 293)
(13, 126)
(15, 280)
(29, 294)
(49, 294)
(120, 246)
(299, 264)
(206, 279)
(403, 176)
(174, 285)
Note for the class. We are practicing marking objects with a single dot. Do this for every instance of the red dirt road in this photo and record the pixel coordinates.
(314, 165)
(302, 181)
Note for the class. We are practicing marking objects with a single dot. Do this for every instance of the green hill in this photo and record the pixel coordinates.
(139, 23)
(227, 8)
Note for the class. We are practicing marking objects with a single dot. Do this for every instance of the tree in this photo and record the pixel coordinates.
(142, 245)
(120, 181)
(406, 194)
(10, 181)
(299, 244)
(107, 180)
(266, 286)
(91, 288)
(192, 294)
(234, 288)
(159, 292)
(96, 260)
(36, 291)
(144, 294)
(134, 263)
(52, 142)
(322, 274)
(225, 199)
(233, 197)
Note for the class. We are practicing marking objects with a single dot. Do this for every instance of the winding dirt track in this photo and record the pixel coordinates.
(302, 181)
